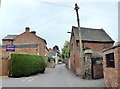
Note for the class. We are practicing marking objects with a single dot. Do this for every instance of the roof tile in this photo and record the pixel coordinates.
(90, 34)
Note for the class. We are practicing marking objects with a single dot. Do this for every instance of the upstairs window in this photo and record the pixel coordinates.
(77, 43)
(110, 60)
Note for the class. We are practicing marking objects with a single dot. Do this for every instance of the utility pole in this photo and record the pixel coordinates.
(80, 39)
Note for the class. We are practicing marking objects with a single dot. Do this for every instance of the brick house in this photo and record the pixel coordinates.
(111, 65)
(26, 42)
(0, 51)
(94, 39)
(53, 55)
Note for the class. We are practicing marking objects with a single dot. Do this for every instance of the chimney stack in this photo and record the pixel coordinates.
(27, 29)
(33, 32)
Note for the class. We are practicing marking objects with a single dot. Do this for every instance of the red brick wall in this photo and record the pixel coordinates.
(27, 37)
(118, 54)
(111, 79)
(7, 42)
(117, 61)
(75, 55)
(5, 55)
(77, 62)
(72, 55)
(46, 51)
(26, 50)
(97, 46)
(0, 53)
(112, 75)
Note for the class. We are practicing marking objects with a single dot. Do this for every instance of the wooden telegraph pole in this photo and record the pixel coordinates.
(80, 39)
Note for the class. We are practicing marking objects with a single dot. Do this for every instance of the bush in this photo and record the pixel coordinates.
(26, 65)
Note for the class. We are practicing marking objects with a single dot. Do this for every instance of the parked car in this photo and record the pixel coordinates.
(60, 62)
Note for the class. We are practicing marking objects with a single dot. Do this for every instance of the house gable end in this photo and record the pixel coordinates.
(27, 37)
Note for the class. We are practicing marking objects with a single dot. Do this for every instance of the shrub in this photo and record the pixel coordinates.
(26, 65)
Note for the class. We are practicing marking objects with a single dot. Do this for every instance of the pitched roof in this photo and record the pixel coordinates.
(9, 37)
(90, 34)
(113, 47)
(51, 53)
(41, 38)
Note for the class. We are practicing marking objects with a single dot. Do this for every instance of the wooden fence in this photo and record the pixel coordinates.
(4, 67)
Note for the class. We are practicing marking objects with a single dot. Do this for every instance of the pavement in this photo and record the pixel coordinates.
(53, 77)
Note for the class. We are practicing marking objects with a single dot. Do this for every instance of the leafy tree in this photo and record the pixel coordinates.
(66, 50)
(56, 49)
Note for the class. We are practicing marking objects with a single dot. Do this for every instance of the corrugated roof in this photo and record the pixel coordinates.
(10, 37)
(90, 34)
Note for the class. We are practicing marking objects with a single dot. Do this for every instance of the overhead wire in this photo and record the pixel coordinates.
(62, 19)
(61, 15)
(57, 23)
(89, 12)
(66, 18)
(56, 4)
(98, 14)
(57, 18)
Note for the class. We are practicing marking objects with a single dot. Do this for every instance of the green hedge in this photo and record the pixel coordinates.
(26, 65)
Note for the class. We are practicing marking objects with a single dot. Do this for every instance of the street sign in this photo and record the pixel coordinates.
(10, 48)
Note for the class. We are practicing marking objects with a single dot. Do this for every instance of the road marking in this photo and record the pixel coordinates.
(26, 79)
(36, 76)
(29, 79)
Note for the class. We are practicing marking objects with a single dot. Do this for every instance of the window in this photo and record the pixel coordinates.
(77, 43)
(74, 61)
(110, 60)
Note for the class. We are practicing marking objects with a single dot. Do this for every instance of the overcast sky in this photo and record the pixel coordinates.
(52, 19)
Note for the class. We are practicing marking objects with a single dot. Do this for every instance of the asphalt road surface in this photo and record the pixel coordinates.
(53, 77)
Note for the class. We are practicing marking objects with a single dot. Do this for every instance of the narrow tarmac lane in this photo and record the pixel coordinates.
(56, 77)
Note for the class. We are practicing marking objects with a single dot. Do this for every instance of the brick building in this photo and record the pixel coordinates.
(0, 51)
(26, 42)
(111, 65)
(94, 39)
